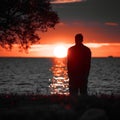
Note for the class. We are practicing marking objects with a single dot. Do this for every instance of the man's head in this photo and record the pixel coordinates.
(78, 38)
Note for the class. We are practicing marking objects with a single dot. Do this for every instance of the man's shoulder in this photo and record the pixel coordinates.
(72, 47)
(86, 49)
(80, 47)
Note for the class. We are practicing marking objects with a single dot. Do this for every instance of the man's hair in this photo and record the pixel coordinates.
(78, 38)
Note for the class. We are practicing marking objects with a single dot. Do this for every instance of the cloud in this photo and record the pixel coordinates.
(96, 45)
(66, 1)
(61, 24)
(111, 24)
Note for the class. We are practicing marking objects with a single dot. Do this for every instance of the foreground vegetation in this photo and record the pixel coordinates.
(59, 107)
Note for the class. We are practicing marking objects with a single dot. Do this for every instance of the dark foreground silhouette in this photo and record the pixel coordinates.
(59, 107)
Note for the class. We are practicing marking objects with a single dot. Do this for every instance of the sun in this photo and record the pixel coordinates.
(60, 51)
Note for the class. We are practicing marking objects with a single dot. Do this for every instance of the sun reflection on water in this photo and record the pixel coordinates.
(59, 82)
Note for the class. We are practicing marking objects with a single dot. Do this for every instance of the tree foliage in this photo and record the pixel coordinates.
(20, 21)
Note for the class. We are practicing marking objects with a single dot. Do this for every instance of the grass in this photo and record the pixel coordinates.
(58, 107)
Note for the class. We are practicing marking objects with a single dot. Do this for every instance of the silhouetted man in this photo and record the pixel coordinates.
(78, 65)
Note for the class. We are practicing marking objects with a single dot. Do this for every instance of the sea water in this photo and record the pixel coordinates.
(33, 75)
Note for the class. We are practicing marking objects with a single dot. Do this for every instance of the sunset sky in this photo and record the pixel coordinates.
(97, 20)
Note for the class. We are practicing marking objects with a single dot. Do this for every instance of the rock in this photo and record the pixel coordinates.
(66, 115)
(94, 114)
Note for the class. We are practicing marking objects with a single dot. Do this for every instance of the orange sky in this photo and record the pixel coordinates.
(63, 34)
(46, 50)
(101, 34)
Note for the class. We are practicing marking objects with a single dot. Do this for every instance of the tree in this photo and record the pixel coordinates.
(20, 21)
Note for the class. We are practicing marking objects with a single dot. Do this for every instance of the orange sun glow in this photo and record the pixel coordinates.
(60, 51)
